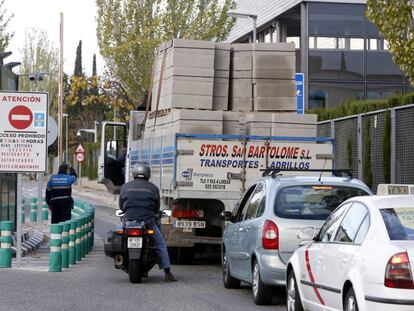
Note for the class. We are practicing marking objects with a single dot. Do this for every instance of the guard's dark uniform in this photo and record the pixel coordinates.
(59, 195)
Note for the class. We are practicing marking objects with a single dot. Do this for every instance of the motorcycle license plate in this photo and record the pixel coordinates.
(134, 242)
(190, 224)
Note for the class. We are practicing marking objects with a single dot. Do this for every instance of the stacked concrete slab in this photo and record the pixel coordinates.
(187, 75)
(185, 121)
(221, 76)
(263, 77)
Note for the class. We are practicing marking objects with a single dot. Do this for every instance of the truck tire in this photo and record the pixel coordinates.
(134, 271)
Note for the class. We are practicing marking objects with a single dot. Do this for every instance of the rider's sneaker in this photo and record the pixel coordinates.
(169, 277)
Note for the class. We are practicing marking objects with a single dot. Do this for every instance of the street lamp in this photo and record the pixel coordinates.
(65, 115)
(244, 14)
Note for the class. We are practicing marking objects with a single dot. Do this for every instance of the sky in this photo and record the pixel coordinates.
(79, 24)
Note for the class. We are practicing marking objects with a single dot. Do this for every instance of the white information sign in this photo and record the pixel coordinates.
(221, 165)
(23, 132)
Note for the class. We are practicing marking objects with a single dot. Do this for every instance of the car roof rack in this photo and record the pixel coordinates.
(336, 172)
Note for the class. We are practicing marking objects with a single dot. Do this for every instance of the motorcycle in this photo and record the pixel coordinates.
(131, 247)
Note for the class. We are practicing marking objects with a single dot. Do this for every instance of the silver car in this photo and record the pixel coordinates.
(261, 234)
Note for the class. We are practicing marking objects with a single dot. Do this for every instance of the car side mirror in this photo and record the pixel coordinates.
(119, 213)
(227, 216)
(166, 213)
(306, 235)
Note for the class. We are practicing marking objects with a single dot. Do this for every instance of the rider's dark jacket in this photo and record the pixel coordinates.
(140, 199)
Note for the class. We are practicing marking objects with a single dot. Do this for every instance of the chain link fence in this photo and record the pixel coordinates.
(378, 146)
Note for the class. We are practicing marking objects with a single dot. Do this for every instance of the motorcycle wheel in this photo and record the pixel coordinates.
(134, 271)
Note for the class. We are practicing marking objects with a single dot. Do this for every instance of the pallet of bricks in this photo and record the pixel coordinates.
(205, 87)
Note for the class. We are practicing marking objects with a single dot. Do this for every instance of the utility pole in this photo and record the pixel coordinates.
(60, 106)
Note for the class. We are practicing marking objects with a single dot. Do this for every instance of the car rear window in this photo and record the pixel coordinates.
(312, 201)
(399, 223)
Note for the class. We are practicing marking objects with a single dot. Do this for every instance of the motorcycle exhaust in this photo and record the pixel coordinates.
(118, 260)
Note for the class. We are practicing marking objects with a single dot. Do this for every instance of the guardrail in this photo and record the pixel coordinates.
(72, 240)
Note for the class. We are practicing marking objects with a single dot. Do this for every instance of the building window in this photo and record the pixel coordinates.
(380, 67)
(372, 44)
(268, 36)
(383, 90)
(325, 43)
(356, 44)
(323, 94)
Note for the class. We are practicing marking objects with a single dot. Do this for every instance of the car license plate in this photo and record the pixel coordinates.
(193, 224)
(134, 242)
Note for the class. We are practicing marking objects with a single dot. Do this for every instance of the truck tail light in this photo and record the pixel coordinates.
(270, 235)
(134, 231)
(186, 213)
(398, 272)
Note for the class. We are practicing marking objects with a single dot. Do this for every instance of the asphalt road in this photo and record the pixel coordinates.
(94, 284)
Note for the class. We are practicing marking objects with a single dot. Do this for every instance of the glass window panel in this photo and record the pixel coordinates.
(351, 223)
(338, 65)
(333, 94)
(377, 90)
(341, 43)
(268, 36)
(372, 30)
(335, 19)
(372, 44)
(381, 67)
(386, 46)
(409, 88)
(325, 43)
(312, 42)
(356, 44)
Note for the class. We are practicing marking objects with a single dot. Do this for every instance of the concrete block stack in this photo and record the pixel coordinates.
(188, 75)
(273, 77)
(221, 76)
(218, 88)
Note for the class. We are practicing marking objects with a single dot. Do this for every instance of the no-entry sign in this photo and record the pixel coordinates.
(23, 132)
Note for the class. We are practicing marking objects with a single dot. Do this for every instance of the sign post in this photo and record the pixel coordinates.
(300, 89)
(23, 141)
(80, 157)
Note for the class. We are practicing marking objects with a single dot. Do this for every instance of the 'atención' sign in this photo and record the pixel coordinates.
(23, 132)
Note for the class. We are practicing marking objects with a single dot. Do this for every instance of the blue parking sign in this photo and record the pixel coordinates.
(39, 120)
(300, 89)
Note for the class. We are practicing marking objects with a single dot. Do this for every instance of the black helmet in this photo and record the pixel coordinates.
(141, 170)
(63, 168)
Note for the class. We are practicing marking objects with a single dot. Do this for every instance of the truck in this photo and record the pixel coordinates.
(201, 175)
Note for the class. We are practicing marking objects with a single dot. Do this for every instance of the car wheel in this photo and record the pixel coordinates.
(262, 294)
(293, 301)
(228, 280)
(350, 302)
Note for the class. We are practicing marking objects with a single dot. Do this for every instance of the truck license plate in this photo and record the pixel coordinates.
(134, 242)
(186, 224)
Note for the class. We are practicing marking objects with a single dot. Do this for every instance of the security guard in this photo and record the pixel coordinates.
(59, 193)
(140, 199)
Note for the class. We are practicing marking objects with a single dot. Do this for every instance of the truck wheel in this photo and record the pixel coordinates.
(185, 255)
(134, 271)
(228, 280)
(262, 293)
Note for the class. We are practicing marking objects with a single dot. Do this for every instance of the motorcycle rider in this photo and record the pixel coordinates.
(140, 199)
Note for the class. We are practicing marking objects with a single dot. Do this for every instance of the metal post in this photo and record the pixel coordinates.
(66, 140)
(359, 140)
(304, 51)
(80, 174)
(393, 168)
(60, 106)
(39, 197)
(254, 29)
(19, 221)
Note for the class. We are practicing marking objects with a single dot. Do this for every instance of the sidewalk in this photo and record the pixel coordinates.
(90, 189)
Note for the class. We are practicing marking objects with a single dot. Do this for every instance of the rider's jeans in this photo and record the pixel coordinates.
(160, 248)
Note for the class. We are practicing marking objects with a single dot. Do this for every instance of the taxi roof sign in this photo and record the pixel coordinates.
(395, 189)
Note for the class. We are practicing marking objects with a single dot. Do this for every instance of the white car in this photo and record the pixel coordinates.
(361, 259)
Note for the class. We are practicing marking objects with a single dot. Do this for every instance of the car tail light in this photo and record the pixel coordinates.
(398, 272)
(185, 213)
(134, 231)
(270, 235)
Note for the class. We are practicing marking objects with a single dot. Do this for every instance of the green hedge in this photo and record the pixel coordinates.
(353, 107)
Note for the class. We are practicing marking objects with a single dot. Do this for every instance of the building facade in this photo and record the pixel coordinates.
(340, 52)
(8, 181)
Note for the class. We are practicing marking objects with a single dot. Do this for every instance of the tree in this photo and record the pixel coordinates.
(5, 36)
(129, 32)
(78, 61)
(40, 56)
(395, 21)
